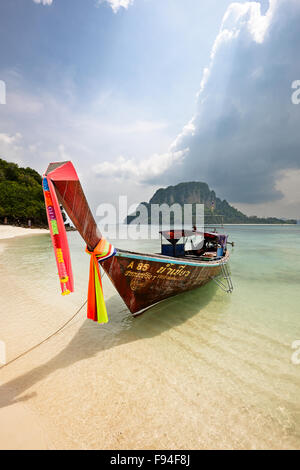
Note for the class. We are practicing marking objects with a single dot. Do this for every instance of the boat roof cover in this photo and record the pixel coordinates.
(177, 234)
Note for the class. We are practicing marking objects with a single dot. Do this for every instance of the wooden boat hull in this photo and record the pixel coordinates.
(141, 279)
(145, 279)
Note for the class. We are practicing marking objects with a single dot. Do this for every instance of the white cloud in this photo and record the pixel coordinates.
(130, 169)
(12, 145)
(24, 103)
(114, 4)
(288, 206)
(117, 4)
(63, 154)
(9, 139)
(245, 133)
(60, 128)
(242, 139)
(44, 2)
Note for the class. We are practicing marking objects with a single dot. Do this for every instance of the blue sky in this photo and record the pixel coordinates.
(111, 85)
(149, 53)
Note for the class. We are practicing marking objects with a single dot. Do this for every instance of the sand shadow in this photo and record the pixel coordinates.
(122, 328)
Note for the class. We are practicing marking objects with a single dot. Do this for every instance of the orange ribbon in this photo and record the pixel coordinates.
(96, 309)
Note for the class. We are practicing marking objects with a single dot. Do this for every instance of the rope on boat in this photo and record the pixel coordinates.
(46, 339)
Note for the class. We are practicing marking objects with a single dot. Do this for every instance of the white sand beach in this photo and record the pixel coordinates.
(10, 231)
(20, 426)
(202, 370)
(20, 429)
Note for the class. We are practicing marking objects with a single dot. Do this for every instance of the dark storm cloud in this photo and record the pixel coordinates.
(246, 129)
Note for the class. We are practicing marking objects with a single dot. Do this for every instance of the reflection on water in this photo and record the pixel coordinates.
(218, 364)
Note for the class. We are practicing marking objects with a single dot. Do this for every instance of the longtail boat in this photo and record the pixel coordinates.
(142, 279)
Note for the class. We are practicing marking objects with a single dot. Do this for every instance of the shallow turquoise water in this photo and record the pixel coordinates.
(233, 351)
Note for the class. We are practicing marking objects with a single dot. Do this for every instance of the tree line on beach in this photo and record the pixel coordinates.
(21, 196)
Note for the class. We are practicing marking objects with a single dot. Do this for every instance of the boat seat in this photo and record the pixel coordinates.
(170, 250)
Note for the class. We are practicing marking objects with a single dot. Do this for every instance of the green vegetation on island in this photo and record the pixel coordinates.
(200, 193)
(21, 195)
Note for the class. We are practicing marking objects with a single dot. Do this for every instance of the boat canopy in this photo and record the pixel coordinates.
(173, 236)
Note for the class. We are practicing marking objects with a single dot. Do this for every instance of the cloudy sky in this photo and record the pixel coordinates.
(146, 93)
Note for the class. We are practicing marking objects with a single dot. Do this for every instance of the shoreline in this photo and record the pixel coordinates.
(265, 225)
(226, 224)
(204, 360)
(10, 231)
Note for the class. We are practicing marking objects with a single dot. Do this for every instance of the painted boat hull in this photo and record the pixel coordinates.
(141, 279)
(145, 279)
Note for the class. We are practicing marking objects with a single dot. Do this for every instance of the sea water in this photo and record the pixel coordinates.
(204, 369)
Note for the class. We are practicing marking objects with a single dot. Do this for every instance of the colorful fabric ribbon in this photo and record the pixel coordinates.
(96, 306)
(59, 237)
(96, 309)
